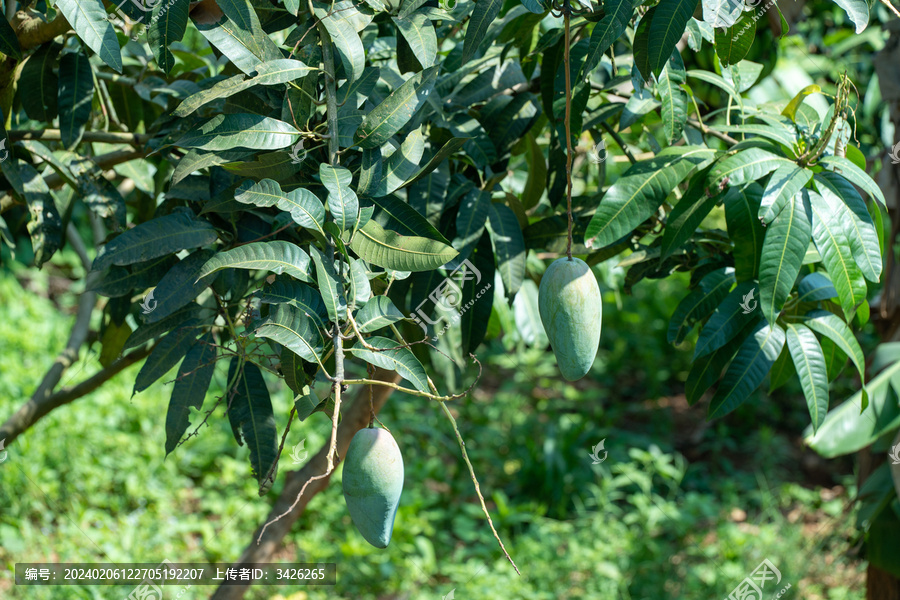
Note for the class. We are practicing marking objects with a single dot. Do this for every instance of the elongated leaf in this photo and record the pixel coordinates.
(509, 247)
(394, 357)
(482, 16)
(304, 207)
(277, 257)
(342, 201)
(378, 312)
(418, 32)
(744, 229)
(537, 174)
(705, 371)
(88, 19)
(45, 225)
(396, 215)
(733, 43)
(658, 33)
(470, 222)
(167, 353)
(252, 419)
(360, 288)
(285, 290)
(846, 169)
(721, 13)
(729, 318)
(223, 89)
(857, 11)
(777, 134)
(810, 364)
(396, 110)
(180, 285)
(747, 165)
(834, 248)
(832, 327)
(390, 250)
(40, 83)
(688, 214)
(189, 391)
(9, 43)
(849, 209)
(697, 305)
(161, 236)
(348, 44)
(607, 31)
(784, 248)
(294, 330)
(815, 287)
(330, 286)
(636, 195)
(241, 130)
(782, 371)
(674, 99)
(167, 26)
(474, 310)
(76, 89)
(248, 46)
(750, 366)
(786, 181)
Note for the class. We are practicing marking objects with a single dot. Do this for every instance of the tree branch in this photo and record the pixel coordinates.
(53, 135)
(36, 408)
(354, 418)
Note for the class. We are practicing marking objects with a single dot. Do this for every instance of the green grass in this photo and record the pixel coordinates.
(90, 483)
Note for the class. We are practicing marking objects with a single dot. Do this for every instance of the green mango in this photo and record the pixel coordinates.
(571, 309)
(373, 480)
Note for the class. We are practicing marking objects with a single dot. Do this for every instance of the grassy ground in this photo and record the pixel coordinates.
(679, 509)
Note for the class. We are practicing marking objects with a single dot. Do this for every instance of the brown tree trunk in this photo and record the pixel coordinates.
(353, 419)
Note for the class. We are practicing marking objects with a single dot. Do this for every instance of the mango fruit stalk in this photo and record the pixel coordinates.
(571, 309)
(373, 481)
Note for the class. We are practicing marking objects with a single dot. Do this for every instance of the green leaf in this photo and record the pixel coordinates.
(247, 47)
(304, 207)
(88, 19)
(782, 371)
(294, 330)
(857, 11)
(854, 174)
(470, 222)
(636, 195)
(810, 364)
(330, 285)
(378, 312)
(850, 210)
(167, 353)
(729, 318)
(697, 305)
(396, 215)
(674, 99)
(418, 32)
(746, 166)
(783, 184)
(706, 371)
(277, 257)
(252, 419)
(9, 43)
(396, 110)
(750, 366)
(394, 357)
(360, 288)
(104, 199)
(346, 40)
(394, 172)
(241, 130)
(477, 297)
(167, 26)
(41, 82)
(610, 28)
(45, 225)
(180, 285)
(509, 247)
(390, 250)
(733, 43)
(784, 247)
(834, 248)
(342, 201)
(658, 32)
(285, 290)
(790, 111)
(537, 174)
(158, 237)
(482, 16)
(76, 89)
(815, 287)
(222, 89)
(191, 384)
(688, 214)
(832, 327)
(744, 229)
